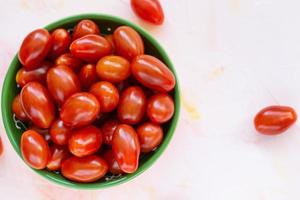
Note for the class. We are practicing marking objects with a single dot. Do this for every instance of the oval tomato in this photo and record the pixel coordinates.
(85, 27)
(112, 163)
(70, 61)
(160, 108)
(38, 104)
(35, 48)
(18, 109)
(35, 149)
(62, 82)
(90, 48)
(61, 40)
(58, 155)
(107, 95)
(88, 75)
(60, 133)
(126, 148)
(44, 132)
(149, 10)
(85, 169)
(132, 105)
(108, 129)
(80, 109)
(274, 120)
(152, 73)
(150, 136)
(128, 42)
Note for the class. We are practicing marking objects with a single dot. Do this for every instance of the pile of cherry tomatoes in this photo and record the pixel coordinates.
(92, 102)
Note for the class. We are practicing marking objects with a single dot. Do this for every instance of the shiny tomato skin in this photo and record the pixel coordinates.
(35, 48)
(85, 27)
(160, 108)
(60, 133)
(107, 95)
(80, 109)
(85, 169)
(274, 120)
(61, 40)
(39, 74)
(57, 155)
(88, 76)
(44, 132)
(85, 141)
(90, 48)
(132, 105)
(110, 39)
(108, 129)
(153, 73)
(128, 42)
(37, 104)
(113, 69)
(149, 10)
(18, 109)
(69, 60)
(150, 136)
(34, 149)
(112, 163)
(62, 82)
(126, 148)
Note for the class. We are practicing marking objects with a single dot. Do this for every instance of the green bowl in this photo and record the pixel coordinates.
(107, 25)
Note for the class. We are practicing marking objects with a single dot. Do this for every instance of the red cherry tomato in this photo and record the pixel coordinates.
(128, 42)
(149, 10)
(85, 141)
(160, 108)
(25, 76)
(18, 109)
(88, 75)
(70, 61)
(274, 120)
(126, 148)
(58, 155)
(110, 39)
(35, 48)
(37, 104)
(62, 82)
(113, 166)
(108, 130)
(152, 73)
(60, 133)
(150, 136)
(85, 27)
(113, 69)
(35, 149)
(80, 109)
(132, 105)
(85, 169)
(1, 147)
(90, 48)
(61, 40)
(44, 132)
(107, 95)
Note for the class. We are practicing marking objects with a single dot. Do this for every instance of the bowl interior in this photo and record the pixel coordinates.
(107, 25)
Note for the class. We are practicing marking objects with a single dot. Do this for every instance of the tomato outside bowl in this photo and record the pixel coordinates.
(107, 25)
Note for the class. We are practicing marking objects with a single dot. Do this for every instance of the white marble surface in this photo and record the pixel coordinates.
(233, 57)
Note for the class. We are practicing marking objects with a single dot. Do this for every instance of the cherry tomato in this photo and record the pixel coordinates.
(61, 40)
(25, 76)
(18, 109)
(149, 10)
(37, 104)
(85, 27)
(1, 147)
(128, 42)
(80, 109)
(107, 95)
(35, 149)
(113, 166)
(110, 39)
(44, 132)
(70, 61)
(90, 48)
(58, 155)
(152, 73)
(113, 69)
(132, 105)
(160, 108)
(108, 130)
(274, 120)
(88, 75)
(60, 133)
(85, 141)
(126, 148)
(35, 48)
(62, 82)
(85, 169)
(150, 136)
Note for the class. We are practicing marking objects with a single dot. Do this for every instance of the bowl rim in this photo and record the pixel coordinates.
(6, 115)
